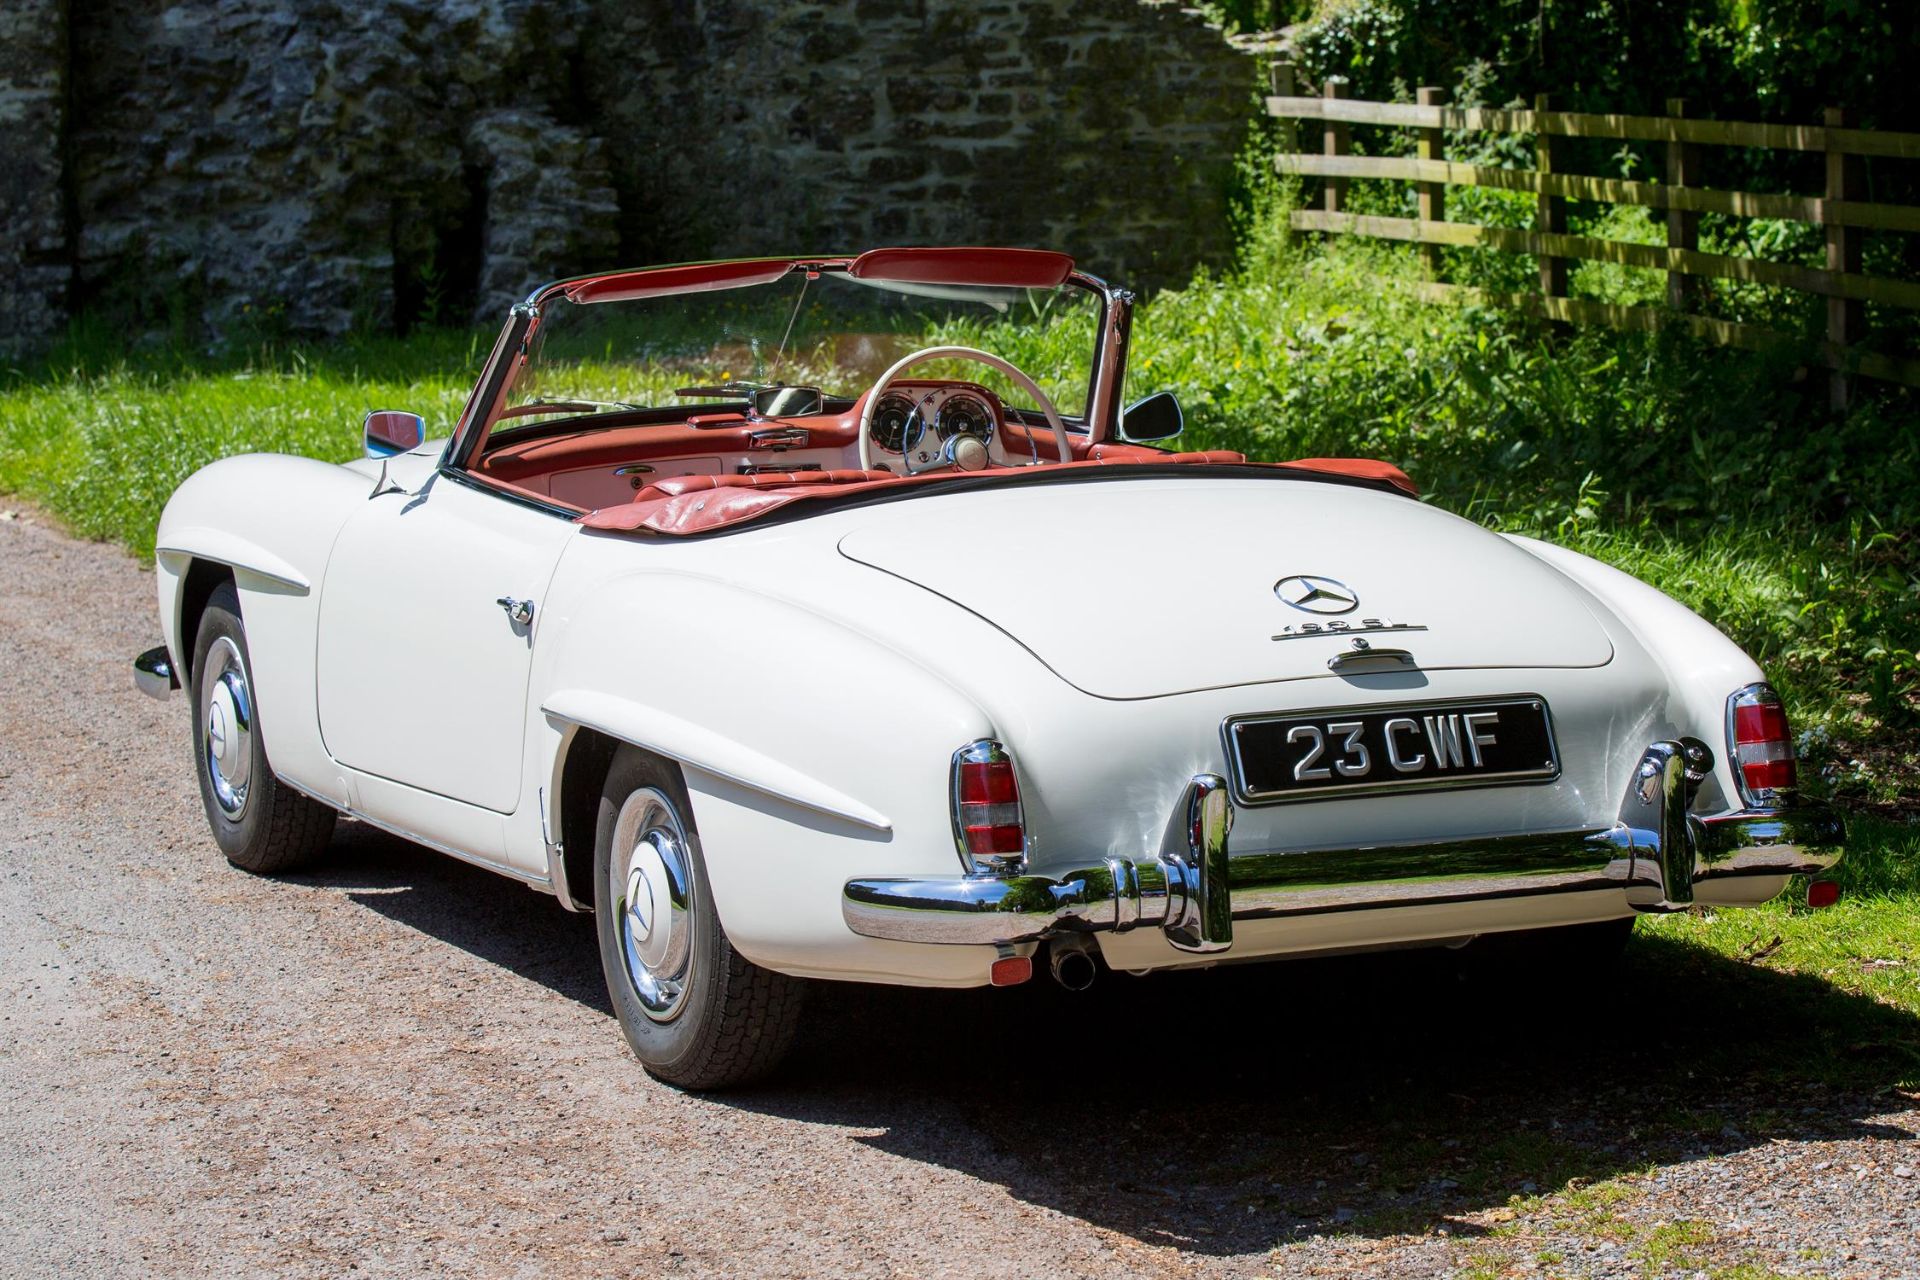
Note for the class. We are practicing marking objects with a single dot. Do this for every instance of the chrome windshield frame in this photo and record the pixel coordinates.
(478, 418)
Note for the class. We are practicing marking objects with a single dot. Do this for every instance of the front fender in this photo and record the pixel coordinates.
(272, 520)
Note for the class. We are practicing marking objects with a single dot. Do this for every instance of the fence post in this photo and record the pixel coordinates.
(1283, 87)
(1683, 226)
(1846, 319)
(1336, 138)
(1551, 211)
(1433, 195)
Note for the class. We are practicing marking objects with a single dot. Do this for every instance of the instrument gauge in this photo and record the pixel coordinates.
(964, 416)
(889, 426)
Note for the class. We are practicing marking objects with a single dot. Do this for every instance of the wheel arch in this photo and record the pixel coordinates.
(197, 585)
(585, 757)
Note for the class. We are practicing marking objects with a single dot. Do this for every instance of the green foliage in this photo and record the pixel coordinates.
(104, 441)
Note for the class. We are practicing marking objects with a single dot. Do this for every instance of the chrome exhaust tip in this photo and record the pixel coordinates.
(1071, 960)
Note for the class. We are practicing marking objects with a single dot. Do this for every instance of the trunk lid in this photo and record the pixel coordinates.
(1138, 588)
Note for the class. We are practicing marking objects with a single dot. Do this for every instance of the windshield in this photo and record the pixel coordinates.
(822, 329)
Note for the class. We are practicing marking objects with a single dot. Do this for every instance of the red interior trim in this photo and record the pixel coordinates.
(695, 277)
(1360, 468)
(686, 505)
(1006, 268)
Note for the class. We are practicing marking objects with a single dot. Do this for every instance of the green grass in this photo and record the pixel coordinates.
(101, 444)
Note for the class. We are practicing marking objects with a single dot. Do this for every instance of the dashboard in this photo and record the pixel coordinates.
(914, 429)
(917, 419)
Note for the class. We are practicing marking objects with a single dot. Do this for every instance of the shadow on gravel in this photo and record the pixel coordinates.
(488, 915)
(1232, 1110)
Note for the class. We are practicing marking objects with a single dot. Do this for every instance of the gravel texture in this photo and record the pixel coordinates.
(400, 1065)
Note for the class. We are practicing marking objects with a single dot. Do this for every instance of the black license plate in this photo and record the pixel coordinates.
(1366, 750)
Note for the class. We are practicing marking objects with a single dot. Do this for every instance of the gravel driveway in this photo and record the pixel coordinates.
(404, 1066)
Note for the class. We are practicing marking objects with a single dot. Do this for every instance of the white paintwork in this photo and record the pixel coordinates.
(698, 747)
(421, 674)
(222, 547)
(814, 676)
(1702, 665)
(1187, 600)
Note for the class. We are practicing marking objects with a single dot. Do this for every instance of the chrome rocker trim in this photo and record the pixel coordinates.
(153, 673)
(1193, 891)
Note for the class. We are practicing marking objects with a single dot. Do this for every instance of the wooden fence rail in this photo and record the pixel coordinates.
(1838, 211)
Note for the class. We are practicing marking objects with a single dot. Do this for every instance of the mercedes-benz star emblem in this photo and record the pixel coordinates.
(1311, 593)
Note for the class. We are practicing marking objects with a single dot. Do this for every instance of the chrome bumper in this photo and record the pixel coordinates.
(153, 673)
(1193, 891)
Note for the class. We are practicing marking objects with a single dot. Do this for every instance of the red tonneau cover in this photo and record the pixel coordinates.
(701, 504)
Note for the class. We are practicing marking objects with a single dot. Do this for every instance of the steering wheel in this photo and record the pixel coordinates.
(992, 361)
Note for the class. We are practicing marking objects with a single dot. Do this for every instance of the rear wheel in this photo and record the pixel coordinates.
(261, 825)
(696, 1012)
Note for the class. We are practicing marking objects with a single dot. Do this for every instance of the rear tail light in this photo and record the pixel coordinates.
(1822, 894)
(987, 822)
(1010, 971)
(1760, 745)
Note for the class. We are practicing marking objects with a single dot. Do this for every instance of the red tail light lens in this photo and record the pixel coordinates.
(1761, 745)
(987, 821)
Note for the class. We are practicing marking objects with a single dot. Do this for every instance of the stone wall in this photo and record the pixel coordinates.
(309, 165)
(34, 256)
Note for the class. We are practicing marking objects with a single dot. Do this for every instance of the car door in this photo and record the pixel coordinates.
(422, 672)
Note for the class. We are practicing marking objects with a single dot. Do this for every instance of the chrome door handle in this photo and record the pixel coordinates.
(520, 612)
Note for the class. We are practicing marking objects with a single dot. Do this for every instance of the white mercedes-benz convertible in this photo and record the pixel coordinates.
(754, 608)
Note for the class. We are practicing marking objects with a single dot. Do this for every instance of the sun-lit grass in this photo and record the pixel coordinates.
(1867, 945)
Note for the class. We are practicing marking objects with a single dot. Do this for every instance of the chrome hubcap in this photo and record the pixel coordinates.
(652, 888)
(226, 714)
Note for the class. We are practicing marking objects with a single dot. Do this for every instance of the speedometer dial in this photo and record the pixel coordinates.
(964, 416)
(889, 426)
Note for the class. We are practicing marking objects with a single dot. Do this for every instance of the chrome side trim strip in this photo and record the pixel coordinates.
(698, 747)
(233, 551)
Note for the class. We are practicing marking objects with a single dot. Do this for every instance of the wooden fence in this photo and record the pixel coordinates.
(1838, 210)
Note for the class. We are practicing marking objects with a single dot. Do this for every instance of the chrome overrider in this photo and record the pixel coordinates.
(1656, 852)
(153, 673)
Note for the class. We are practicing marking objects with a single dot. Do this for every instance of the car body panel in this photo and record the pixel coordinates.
(421, 672)
(1190, 600)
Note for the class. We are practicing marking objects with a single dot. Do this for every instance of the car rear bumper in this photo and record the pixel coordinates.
(1194, 890)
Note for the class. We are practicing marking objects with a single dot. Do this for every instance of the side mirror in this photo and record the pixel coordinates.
(390, 431)
(1157, 417)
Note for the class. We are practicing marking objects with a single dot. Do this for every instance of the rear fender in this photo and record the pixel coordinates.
(811, 752)
(1702, 666)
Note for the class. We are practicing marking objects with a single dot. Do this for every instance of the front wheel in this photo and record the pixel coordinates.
(696, 1013)
(261, 824)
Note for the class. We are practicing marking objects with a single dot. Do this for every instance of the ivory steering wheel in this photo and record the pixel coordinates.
(987, 358)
